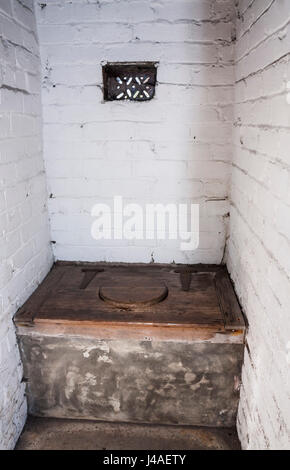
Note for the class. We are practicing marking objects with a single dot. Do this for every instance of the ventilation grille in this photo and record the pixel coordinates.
(129, 81)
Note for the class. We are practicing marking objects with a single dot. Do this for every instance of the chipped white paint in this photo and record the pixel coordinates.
(91, 379)
(104, 358)
(100, 346)
(70, 383)
(115, 403)
(189, 377)
(258, 249)
(25, 254)
(175, 148)
(176, 367)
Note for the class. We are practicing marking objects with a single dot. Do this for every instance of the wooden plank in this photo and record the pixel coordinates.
(228, 301)
(198, 306)
(89, 274)
(67, 296)
(141, 331)
(201, 268)
(26, 314)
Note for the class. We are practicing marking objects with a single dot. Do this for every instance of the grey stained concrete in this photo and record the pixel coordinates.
(59, 434)
(153, 382)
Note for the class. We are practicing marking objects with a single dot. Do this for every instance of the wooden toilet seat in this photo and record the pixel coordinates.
(126, 297)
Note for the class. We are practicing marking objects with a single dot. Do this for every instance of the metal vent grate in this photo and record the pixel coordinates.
(129, 81)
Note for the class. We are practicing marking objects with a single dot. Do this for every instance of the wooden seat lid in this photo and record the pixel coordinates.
(134, 294)
(131, 297)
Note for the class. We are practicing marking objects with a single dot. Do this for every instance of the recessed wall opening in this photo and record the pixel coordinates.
(129, 81)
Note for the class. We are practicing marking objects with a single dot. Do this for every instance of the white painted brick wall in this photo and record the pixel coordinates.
(147, 153)
(258, 248)
(25, 253)
(175, 148)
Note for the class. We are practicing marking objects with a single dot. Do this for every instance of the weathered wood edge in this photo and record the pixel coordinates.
(203, 268)
(25, 315)
(229, 305)
(138, 332)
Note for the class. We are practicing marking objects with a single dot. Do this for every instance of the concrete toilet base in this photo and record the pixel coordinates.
(163, 372)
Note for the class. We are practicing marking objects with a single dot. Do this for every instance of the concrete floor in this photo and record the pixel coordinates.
(59, 434)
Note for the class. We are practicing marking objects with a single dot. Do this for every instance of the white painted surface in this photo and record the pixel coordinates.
(147, 153)
(175, 148)
(25, 254)
(258, 248)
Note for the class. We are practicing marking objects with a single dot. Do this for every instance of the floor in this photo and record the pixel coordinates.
(58, 434)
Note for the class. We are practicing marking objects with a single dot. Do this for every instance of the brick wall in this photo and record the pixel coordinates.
(25, 255)
(258, 249)
(175, 148)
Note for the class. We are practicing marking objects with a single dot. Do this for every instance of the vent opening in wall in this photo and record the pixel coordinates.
(133, 81)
